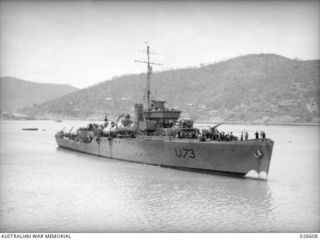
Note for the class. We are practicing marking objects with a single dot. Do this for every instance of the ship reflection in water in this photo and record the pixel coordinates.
(49, 189)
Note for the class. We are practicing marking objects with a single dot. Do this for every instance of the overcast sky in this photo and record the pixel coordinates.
(85, 42)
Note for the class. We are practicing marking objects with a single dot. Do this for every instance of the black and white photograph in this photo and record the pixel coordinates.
(159, 117)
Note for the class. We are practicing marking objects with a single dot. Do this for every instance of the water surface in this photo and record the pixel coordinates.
(47, 189)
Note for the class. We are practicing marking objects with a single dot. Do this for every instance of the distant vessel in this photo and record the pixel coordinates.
(157, 136)
(30, 129)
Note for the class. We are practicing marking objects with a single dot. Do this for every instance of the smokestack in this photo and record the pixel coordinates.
(138, 111)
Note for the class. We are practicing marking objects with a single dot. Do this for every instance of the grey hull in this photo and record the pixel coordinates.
(237, 157)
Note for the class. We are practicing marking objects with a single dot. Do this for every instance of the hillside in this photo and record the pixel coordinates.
(251, 88)
(17, 93)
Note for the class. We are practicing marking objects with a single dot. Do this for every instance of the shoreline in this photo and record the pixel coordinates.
(266, 124)
(196, 122)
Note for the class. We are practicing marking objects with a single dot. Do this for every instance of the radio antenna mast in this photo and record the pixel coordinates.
(149, 71)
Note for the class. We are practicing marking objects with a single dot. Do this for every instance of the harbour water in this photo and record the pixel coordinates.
(47, 189)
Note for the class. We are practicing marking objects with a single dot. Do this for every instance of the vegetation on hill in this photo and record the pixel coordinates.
(17, 93)
(251, 88)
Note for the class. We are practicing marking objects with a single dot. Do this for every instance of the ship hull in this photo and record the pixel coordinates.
(236, 158)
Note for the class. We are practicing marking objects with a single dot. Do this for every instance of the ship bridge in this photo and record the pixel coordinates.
(157, 111)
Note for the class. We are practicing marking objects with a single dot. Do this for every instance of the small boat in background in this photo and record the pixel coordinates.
(30, 129)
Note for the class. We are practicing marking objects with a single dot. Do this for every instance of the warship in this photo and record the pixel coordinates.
(156, 135)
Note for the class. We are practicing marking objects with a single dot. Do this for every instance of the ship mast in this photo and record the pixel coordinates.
(149, 71)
